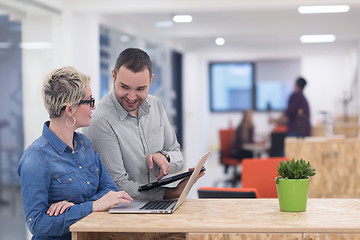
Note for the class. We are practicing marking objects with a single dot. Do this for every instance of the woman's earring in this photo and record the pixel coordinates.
(67, 122)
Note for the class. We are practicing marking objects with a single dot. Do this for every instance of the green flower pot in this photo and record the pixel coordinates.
(292, 194)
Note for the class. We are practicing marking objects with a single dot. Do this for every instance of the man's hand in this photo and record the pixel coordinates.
(161, 161)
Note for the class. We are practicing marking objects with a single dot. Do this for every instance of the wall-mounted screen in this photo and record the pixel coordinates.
(231, 86)
(272, 95)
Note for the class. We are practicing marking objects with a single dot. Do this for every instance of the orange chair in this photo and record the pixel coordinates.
(280, 129)
(226, 136)
(260, 173)
(215, 192)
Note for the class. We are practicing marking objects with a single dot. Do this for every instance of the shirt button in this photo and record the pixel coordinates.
(70, 179)
(73, 151)
(97, 169)
(80, 167)
(87, 182)
(30, 219)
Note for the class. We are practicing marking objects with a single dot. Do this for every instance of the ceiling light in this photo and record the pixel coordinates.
(35, 45)
(220, 41)
(317, 38)
(324, 9)
(182, 18)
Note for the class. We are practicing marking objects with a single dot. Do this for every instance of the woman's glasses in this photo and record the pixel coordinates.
(91, 101)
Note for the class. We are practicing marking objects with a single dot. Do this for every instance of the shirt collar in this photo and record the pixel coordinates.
(54, 140)
(144, 107)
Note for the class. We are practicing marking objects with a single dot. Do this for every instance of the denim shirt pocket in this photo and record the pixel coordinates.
(94, 174)
(68, 187)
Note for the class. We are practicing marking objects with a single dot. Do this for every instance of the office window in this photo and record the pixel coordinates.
(231, 86)
(11, 101)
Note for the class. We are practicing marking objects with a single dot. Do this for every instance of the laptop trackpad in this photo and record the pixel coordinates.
(136, 204)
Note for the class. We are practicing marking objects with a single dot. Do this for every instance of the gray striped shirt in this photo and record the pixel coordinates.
(123, 142)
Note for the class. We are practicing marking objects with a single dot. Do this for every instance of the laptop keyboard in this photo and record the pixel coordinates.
(157, 205)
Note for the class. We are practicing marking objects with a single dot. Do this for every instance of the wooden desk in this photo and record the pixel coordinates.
(336, 161)
(252, 219)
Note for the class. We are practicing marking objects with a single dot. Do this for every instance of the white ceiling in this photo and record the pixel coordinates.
(267, 25)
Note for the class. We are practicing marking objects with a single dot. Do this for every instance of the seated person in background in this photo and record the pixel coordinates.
(62, 178)
(244, 133)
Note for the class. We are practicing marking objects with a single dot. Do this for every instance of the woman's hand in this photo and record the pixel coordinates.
(110, 200)
(59, 207)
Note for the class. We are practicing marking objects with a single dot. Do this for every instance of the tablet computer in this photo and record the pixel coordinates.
(167, 180)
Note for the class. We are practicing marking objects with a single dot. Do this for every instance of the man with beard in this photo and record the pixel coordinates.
(131, 132)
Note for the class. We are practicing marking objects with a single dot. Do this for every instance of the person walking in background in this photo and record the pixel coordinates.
(244, 133)
(62, 178)
(132, 133)
(297, 114)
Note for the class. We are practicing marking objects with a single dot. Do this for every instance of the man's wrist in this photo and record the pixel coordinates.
(167, 156)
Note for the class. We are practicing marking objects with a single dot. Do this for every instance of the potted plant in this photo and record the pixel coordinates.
(293, 184)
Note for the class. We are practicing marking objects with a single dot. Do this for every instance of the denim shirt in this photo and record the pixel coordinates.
(50, 171)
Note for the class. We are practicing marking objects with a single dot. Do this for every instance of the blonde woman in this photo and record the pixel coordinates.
(62, 177)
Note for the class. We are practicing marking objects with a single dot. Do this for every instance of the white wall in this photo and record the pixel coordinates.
(80, 34)
(36, 63)
(194, 97)
(329, 77)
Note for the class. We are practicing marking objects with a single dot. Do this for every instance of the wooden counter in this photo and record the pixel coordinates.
(229, 219)
(346, 129)
(337, 164)
(318, 131)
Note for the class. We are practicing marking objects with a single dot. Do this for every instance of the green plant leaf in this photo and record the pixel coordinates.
(298, 169)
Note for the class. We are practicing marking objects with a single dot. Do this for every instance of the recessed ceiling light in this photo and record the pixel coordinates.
(182, 18)
(324, 9)
(35, 45)
(324, 38)
(220, 41)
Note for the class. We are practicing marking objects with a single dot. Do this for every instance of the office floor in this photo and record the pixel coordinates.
(13, 226)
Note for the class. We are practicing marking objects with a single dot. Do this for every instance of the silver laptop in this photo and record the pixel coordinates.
(161, 206)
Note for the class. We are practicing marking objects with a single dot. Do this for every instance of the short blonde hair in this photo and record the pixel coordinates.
(63, 86)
